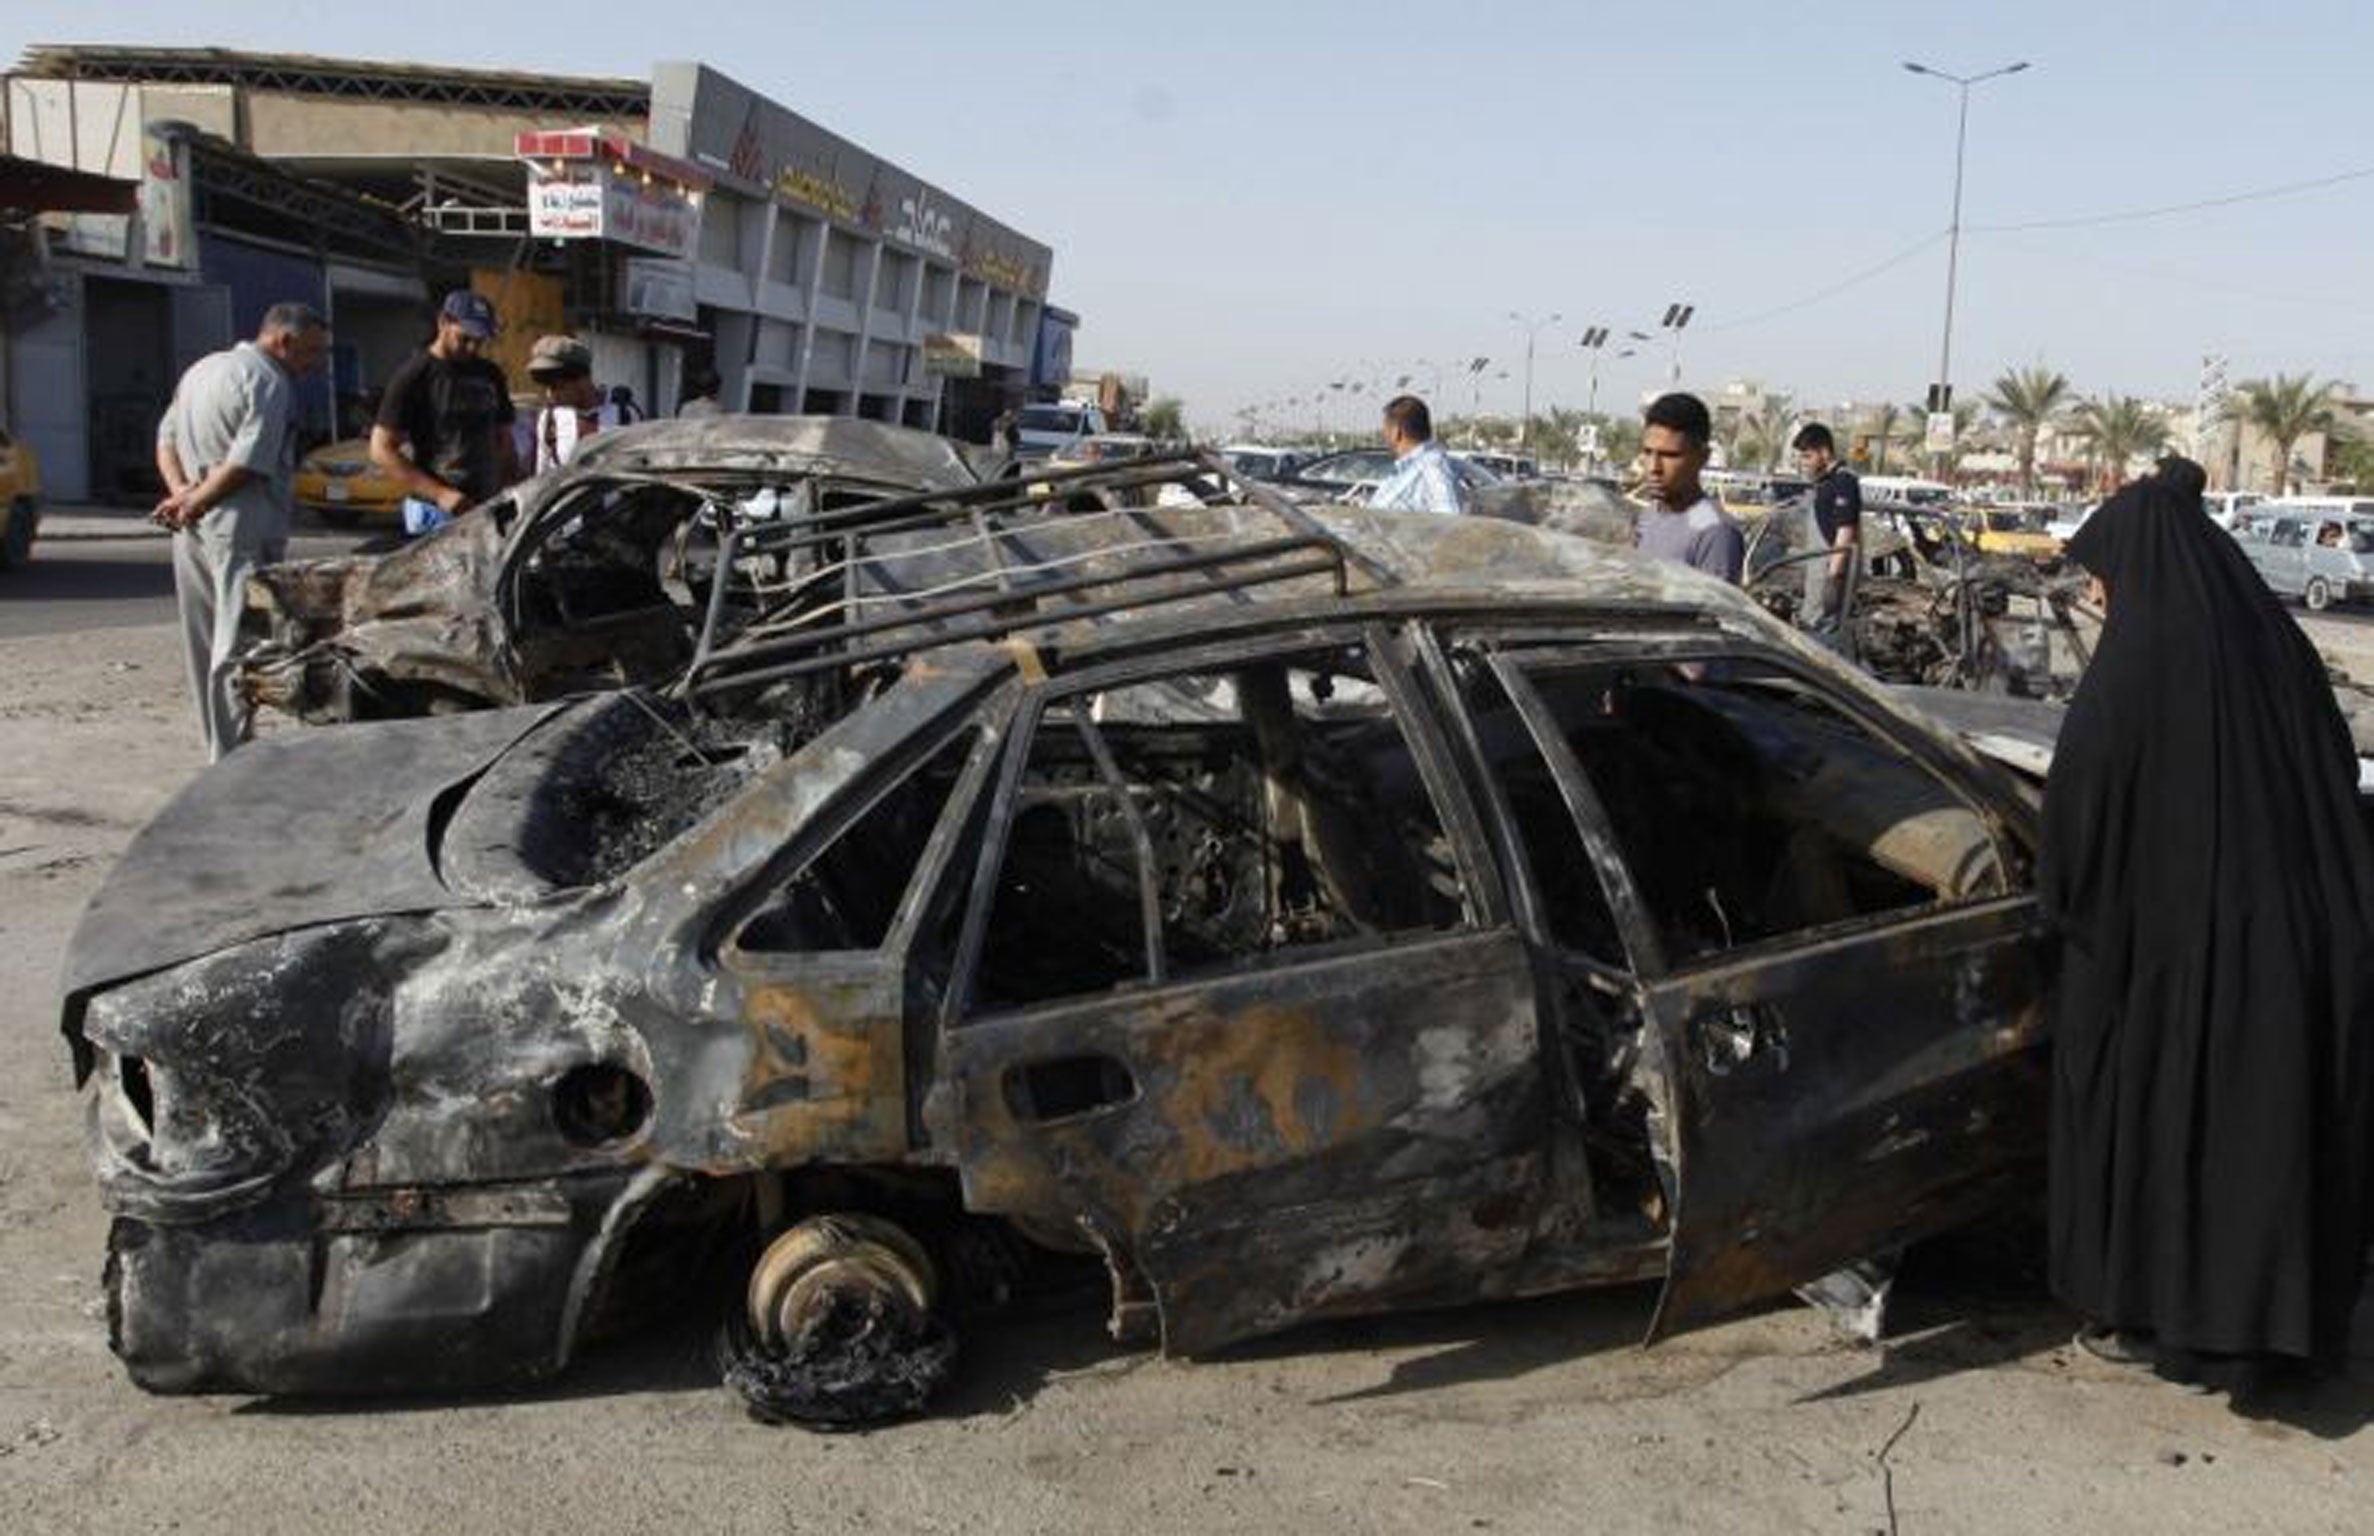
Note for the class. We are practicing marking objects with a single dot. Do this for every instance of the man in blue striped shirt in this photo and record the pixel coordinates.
(1423, 477)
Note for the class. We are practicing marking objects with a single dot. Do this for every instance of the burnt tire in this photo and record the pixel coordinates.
(838, 1328)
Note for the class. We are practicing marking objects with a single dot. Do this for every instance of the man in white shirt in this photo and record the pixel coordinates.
(226, 450)
(1423, 477)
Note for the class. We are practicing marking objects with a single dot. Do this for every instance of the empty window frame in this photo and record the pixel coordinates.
(1749, 807)
(1213, 821)
(848, 894)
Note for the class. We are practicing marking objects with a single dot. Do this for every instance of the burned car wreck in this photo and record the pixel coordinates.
(590, 577)
(1299, 913)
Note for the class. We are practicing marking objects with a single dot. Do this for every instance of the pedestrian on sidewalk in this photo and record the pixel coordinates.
(575, 407)
(2206, 870)
(1682, 523)
(1423, 478)
(226, 450)
(444, 425)
(1837, 526)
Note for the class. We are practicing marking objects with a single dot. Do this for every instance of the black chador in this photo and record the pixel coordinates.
(2208, 871)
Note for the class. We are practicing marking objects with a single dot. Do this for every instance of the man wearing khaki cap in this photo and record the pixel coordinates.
(574, 408)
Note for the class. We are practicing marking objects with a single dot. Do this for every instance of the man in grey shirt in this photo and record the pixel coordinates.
(1682, 523)
(227, 452)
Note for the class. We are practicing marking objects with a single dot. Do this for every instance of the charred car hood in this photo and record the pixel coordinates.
(293, 831)
(2018, 733)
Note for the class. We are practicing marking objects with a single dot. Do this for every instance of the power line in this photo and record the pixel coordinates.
(1835, 289)
(2138, 215)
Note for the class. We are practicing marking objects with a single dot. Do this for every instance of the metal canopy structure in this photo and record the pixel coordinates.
(226, 173)
(888, 578)
(298, 74)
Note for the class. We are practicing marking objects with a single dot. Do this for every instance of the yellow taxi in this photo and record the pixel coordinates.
(20, 501)
(338, 483)
(2006, 531)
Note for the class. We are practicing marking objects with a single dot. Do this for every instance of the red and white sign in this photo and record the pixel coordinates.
(592, 184)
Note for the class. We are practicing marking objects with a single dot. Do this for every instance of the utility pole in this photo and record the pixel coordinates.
(1532, 329)
(1941, 395)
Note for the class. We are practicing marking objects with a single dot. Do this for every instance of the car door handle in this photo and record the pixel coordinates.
(1064, 1086)
(1733, 1036)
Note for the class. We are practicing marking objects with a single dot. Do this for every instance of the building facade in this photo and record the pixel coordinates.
(677, 224)
(823, 272)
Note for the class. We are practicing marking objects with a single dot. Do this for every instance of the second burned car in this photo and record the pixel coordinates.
(1303, 914)
(593, 576)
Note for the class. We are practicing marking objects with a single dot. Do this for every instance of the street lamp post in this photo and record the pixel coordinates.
(1943, 396)
(1677, 318)
(1532, 329)
(1594, 342)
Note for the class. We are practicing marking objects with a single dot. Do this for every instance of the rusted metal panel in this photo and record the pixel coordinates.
(1405, 1078)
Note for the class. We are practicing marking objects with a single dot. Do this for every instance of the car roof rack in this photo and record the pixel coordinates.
(888, 578)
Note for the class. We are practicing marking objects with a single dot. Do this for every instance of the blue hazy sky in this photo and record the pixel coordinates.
(1246, 200)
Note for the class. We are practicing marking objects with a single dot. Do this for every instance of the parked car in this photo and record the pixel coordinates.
(2012, 531)
(591, 576)
(2319, 549)
(1104, 448)
(339, 484)
(2063, 525)
(20, 501)
(1503, 466)
(1352, 474)
(1305, 912)
(1256, 461)
(1043, 430)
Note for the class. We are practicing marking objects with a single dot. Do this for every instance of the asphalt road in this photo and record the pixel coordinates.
(98, 568)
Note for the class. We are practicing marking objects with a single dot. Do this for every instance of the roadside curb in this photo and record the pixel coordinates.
(52, 534)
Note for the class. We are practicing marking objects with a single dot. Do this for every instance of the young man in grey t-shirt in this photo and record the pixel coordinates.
(1682, 523)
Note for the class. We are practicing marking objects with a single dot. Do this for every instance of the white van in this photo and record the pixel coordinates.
(2319, 549)
(1042, 430)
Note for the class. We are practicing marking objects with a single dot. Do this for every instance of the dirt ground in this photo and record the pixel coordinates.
(1546, 1416)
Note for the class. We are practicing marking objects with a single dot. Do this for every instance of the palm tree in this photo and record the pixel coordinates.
(2027, 399)
(1761, 437)
(2116, 429)
(1886, 424)
(2285, 409)
(1915, 418)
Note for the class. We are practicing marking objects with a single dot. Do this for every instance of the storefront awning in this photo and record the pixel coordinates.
(31, 186)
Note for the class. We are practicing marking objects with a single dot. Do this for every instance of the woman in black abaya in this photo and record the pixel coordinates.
(2207, 870)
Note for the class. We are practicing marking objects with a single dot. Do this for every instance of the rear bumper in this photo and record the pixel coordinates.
(284, 1298)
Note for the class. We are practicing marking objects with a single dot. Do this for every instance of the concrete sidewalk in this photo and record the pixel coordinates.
(68, 521)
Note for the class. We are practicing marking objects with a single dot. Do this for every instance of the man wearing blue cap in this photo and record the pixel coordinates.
(444, 426)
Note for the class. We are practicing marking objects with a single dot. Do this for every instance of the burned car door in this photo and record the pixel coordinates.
(1241, 1010)
(1841, 973)
(832, 956)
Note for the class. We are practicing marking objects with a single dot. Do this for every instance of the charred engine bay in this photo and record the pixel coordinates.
(598, 790)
